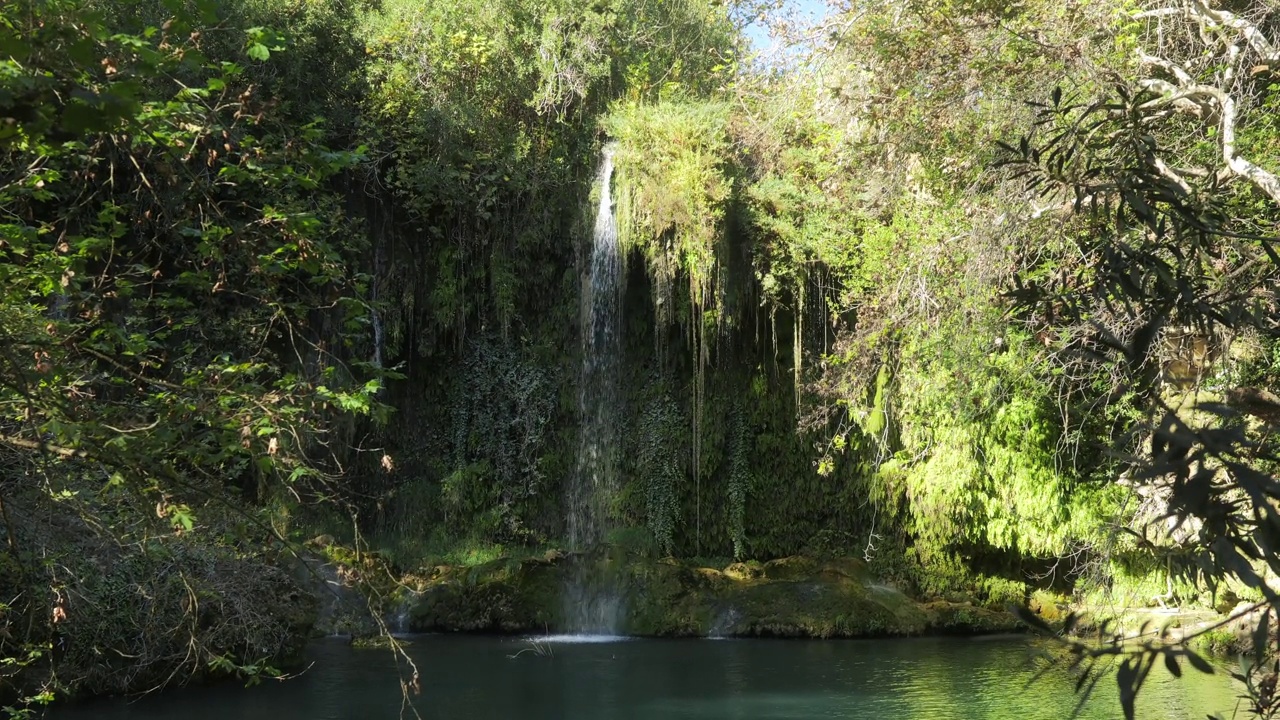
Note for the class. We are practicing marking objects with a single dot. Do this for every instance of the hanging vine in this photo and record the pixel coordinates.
(501, 409)
(740, 479)
(658, 463)
(674, 180)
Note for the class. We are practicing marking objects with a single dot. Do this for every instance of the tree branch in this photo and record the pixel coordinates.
(1262, 179)
(1170, 67)
(1252, 35)
(24, 444)
(1200, 11)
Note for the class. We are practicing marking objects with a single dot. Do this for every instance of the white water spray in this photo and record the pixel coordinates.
(592, 606)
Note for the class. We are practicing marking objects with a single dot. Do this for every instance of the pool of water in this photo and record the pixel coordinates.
(487, 678)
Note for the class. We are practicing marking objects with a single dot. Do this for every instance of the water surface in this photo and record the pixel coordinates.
(486, 678)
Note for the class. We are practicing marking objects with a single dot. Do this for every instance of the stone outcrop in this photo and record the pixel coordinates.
(790, 597)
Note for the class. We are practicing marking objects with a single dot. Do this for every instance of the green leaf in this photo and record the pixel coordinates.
(259, 52)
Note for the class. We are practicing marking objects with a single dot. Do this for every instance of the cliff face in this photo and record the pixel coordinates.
(487, 430)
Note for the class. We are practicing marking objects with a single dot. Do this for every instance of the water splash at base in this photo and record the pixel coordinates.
(586, 639)
(591, 605)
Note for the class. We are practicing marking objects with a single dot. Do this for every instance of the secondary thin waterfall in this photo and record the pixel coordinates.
(593, 607)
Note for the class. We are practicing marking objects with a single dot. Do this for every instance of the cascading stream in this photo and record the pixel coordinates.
(593, 606)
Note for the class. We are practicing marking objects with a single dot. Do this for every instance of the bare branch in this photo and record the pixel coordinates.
(1200, 11)
(1168, 172)
(1251, 33)
(1262, 179)
(24, 444)
(1159, 12)
(1173, 95)
(1170, 67)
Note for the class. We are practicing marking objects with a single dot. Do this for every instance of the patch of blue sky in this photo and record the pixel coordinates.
(804, 13)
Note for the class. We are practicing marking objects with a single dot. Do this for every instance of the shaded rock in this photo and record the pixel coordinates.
(791, 568)
(500, 596)
(948, 618)
(377, 642)
(320, 541)
(792, 597)
(1049, 606)
(824, 609)
(340, 608)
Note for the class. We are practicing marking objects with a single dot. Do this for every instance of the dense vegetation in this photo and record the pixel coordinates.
(981, 293)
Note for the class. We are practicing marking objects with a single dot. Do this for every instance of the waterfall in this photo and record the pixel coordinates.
(592, 606)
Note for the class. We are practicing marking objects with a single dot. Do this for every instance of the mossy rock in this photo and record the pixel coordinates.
(823, 609)
(792, 597)
(948, 618)
(500, 596)
(321, 541)
(744, 571)
(377, 642)
(853, 569)
(791, 568)
(667, 599)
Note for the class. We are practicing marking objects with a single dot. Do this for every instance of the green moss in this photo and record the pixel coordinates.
(1221, 641)
(500, 596)
(964, 619)
(667, 598)
(825, 609)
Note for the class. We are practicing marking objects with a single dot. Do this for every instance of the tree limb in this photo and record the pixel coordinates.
(1252, 35)
(24, 444)
(1200, 11)
(1169, 173)
(1262, 179)
(1170, 67)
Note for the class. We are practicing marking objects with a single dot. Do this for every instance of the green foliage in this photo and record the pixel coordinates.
(978, 458)
(740, 480)
(170, 266)
(181, 311)
(658, 465)
(118, 600)
(799, 201)
(501, 409)
(201, 288)
(674, 179)
(487, 115)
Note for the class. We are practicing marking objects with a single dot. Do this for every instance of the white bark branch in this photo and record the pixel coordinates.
(1173, 95)
(1252, 35)
(1177, 179)
(1264, 180)
(1226, 30)
(1158, 12)
(1170, 67)
(1200, 11)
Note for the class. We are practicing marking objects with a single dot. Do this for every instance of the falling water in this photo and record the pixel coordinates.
(593, 606)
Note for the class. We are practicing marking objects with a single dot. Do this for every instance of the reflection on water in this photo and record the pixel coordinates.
(473, 678)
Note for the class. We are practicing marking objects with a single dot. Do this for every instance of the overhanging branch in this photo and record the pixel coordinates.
(1198, 99)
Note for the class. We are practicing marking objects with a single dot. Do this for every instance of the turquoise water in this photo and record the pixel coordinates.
(487, 678)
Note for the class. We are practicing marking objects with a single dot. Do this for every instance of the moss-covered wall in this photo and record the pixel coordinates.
(485, 434)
